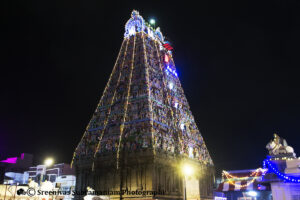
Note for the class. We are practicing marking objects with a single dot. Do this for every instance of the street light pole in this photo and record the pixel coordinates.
(184, 185)
(187, 171)
(47, 163)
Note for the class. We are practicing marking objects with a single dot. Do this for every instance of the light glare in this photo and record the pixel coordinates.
(187, 170)
(252, 193)
(171, 85)
(49, 161)
(152, 21)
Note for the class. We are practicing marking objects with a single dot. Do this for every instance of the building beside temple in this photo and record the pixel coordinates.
(12, 169)
(279, 179)
(20, 171)
(283, 173)
(40, 173)
(20, 174)
(142, 132)
(244, 185)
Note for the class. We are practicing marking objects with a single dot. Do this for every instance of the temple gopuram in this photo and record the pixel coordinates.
(142, 132)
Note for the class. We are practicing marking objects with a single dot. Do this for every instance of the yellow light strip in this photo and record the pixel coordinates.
(165, 85)
(191, 115)
(243, 186)
(254, 173)
(149, 93)
(177, 82)
(109, 110)
(126, 104)
(101, 99)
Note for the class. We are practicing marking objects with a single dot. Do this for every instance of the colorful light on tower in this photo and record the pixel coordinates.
(168, 46)
(167, 59)
(171, 85)
(171, 71)
(152, 21)
(136, 108)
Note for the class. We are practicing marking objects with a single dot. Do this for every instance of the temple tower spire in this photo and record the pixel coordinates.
(142, 128)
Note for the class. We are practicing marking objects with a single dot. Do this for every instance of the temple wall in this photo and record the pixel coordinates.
(143, 173)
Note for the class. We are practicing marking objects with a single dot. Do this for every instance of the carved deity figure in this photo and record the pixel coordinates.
(279, 146)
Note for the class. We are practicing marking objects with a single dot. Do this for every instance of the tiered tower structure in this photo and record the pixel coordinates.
(142, 130)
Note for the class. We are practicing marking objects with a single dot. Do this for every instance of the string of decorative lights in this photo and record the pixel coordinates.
(169, 70)
(165, 93)
(101, 99)
(149, 93)
(173, 103)
(178, 111)
(244, 185)
(109, 111)
(181, 92)
(254, 173)
(126, 103)
(279, 174)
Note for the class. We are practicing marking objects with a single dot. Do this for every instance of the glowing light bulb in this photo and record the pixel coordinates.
(191, 155)
(252, 193)
(48, 162)
(187, 170)
(182, 126)
(152, 21)
(132, 30)
(167, 59)
(176, 105)
(171, 85)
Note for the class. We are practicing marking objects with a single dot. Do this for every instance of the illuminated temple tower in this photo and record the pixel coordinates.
(142, 130)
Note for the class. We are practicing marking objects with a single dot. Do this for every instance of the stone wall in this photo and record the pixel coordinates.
(142, 172)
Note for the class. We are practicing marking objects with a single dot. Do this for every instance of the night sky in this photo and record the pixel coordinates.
(238, 63)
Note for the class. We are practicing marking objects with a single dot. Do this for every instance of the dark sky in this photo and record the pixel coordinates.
(238, 62)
